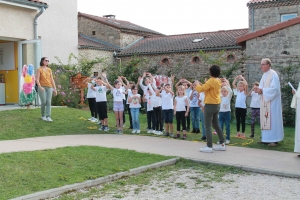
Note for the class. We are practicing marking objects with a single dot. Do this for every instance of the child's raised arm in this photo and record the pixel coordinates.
(234, 82)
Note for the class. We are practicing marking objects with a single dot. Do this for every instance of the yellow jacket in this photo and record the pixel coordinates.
(212, 89)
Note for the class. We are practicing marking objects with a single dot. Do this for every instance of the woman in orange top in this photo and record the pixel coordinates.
(212, 88)
(46, 86)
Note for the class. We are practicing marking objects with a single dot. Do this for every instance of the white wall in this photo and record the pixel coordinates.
(58, 29)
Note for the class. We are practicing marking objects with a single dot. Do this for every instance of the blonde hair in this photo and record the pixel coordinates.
(224, 88)
(180, 87)
(256, 83)
(242, 82)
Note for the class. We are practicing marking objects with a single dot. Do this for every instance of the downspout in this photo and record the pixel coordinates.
(252, 19)
(37, 64)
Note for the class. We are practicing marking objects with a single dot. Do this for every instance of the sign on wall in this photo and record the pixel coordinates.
(7, 56)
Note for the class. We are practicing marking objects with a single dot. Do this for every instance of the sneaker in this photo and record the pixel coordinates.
(184, 137)
(120, 132)
(123, 125)
(203, 138)
(197, 130)
(227, 141)
(193, 131)
(48, 119)
(251, 136)
(99, 123)
(101, 128)
(106, 128)
(149, 131)
(166, 134)
(238, 135)
(220, 147)
(206, 149)
(133, 131)
(243, 135)
(95, 120)
(44, 118)
(177, 136)
(153, 131)
(116, 131)
(138, 131)
(90, 119)
(159, 133)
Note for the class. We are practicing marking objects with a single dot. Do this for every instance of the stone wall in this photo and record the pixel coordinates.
(181, 64)
(127, 39)
(102, 31)
(264, 17)
(91, 54)
(282, 47)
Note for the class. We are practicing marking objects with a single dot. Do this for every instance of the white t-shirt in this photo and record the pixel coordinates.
(255, 100)
(90, 93)
(100, 93)
(201, 98)
(240, 101)
(187, 93)
(157, 101)
(194, 101)
(180, 103)
(225, 101)
(166, 100)
(150, 102)
(135, 103)
(117, 94)
(123, 94)
(129, 92)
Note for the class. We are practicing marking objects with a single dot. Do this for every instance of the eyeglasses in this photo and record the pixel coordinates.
(263, 64)
(47, 60)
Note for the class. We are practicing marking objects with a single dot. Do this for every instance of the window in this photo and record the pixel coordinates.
(230, 58)
(93, 32)
(285, 17)
(196, 60)
(165, 61)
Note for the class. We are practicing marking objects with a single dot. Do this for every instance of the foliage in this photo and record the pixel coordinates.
(288, 74)
(67, 92)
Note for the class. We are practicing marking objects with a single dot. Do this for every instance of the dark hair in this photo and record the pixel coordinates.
(133, 87)
(42, 61)
(158, 87)
(167, 84)
(99, 78)
(215, 71)
(116, 82)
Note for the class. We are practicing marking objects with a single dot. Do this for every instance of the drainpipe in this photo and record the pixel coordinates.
(37, 64)
(252, 19)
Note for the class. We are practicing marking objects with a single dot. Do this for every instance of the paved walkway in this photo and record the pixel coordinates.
(256, 160)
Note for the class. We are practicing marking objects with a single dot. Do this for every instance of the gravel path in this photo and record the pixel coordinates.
(189, 184)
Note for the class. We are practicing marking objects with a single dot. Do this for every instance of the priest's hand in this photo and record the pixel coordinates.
(293, 91)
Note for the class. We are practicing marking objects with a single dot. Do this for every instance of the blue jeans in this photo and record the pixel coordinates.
(46, 98)
(224, 117)
(203, 124)
(195, 114)
(135, 114)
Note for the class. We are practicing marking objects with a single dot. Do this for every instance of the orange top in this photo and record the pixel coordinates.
(45, 77)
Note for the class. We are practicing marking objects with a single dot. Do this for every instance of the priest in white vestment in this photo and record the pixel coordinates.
(271, 122)
(296, 104)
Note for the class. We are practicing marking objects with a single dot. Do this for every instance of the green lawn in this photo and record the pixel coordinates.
(29, 172)
(16, 124)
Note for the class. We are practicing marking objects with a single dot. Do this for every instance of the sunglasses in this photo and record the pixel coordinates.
(47, 60)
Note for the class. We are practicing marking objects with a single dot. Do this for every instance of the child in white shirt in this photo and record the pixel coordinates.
(255, 107)
(240, 91)
(167, 96)
(180, 111)
(225, 110)
(134, 100)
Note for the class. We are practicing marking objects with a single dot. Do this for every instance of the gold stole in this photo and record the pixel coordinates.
(265, 107)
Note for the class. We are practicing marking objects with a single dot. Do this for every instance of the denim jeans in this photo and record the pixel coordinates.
(195, 114)
(203, 123)
(46, 98)
(135, 114)
(224, 117)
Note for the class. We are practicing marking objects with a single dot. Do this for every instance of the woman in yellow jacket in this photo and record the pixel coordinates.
(212, 88)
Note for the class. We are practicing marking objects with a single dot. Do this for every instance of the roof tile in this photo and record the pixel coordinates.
(184, 42)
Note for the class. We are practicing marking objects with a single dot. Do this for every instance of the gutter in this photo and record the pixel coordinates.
(25, 4)
(180, 51)
(35, 22)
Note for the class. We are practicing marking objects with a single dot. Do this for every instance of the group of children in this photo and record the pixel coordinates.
(193, 100)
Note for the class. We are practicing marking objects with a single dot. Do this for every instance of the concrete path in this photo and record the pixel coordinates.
(256, 160)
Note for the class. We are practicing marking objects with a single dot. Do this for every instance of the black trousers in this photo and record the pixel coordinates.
(150, 118)
(240, 114)
(158, 118)
(180, 118)
(129, 113)
(92, 106)
(188, 119)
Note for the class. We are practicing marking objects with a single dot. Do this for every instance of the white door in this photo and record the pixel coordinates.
(29, 52)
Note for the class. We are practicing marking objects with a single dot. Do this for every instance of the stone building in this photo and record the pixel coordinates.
(102, 36)
(273, 33)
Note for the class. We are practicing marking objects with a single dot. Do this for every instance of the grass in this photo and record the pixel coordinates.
(28, 172)
(119, 188)
(16, 124)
